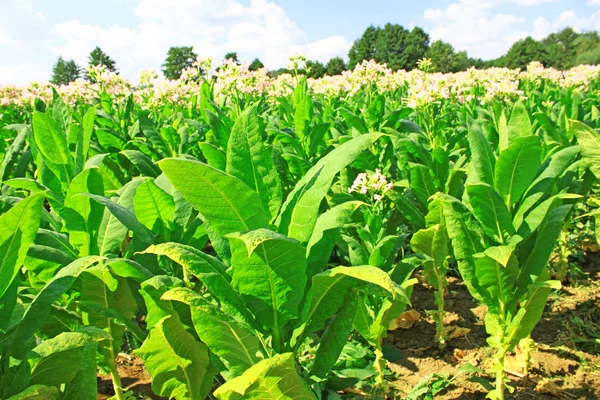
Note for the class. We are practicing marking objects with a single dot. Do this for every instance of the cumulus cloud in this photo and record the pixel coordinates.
(261, 29)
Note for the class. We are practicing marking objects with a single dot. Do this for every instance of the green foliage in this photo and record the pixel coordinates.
(335, 66)
(178, 59)
(99, 57)
(255, 65)
(64, 72)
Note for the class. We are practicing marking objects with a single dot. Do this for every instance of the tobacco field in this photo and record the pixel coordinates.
(377, 234)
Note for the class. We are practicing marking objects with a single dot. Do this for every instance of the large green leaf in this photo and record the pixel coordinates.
(154, 208)
(112, 232)
(249, 160)
(210, 271)
(496, 270)
(516, 167)
(52, 145)
(335, 336)
(483, 159)
(329, 288)
(85, 137)
(490, 210)
(421, 182)
(39, 309)
(152, 291)
(589, 140)
(300, 211)
(82, 215)
(237, 346)
(322, 240)
(37, 392)
(269, 271)
(18, 228)
(227, 203)
(68, 359)
(177, 362)
(433, 242)
(519, 124)
(274, 378)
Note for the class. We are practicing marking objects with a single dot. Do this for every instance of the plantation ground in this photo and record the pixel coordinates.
(567, 364)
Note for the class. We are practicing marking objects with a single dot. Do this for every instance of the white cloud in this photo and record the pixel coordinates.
(22, 74)
(261, 29)
(542, 27)
(593, 3)
(473, 25)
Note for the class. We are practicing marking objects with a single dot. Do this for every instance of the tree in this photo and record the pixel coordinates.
(178, 59)
(65, 72)
(441, 55)
(363, 48)
(314, 69)
(561, 48)
(233, 57)
(99, 57)
(335, 66)
(445, 59)
(255, 65)
(525, 51)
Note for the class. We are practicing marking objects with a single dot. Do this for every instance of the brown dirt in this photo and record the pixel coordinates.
(134, 377)
(566, 364)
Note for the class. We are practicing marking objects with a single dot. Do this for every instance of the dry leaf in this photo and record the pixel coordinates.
(453, 332)
(549, 387)
(406, 320)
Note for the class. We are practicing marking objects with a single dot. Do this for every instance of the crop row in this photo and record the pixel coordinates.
(260, 245)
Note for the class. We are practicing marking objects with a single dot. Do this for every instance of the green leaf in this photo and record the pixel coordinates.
(249, 160)
(127, 218)
(519, 124)
(226, 203)
(209, 270)
(322, 240)
(39, 309)
(147, 129)
(176, 362)
(237, 346)
(18, 228)
(112, 232)
(516, 167)
(83, 216)
(84, 139)
(496, 275)
(152, 291)
(491, 211)
(274, 378)
(142, 162)
(465, 243)
(335, 337)
(37, 392)
(269, 271)
(67, 359)
(154, 208)
(536, 259)
(329, 288)
(300, 211)
(302, 109)
(421, 182)
(433, 242)
(589, 140)
(215, 157)
(482, 157)
(52, 146)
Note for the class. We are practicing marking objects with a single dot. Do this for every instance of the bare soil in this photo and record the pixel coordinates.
(566, 364)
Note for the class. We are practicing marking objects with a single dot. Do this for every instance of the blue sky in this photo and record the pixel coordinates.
(138, 33)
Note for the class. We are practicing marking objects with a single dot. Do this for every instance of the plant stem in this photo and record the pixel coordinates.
(116, 379)
(500, 375)
(439, 300)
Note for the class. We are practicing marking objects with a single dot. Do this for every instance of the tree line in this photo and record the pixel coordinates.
(392, 44)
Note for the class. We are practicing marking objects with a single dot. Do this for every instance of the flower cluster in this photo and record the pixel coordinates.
(418, 88)
(375, 184)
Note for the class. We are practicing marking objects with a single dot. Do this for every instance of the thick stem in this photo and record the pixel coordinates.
(116, 379)
(439, 320)
(526, 345)
(379, 365)
(500, 376)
